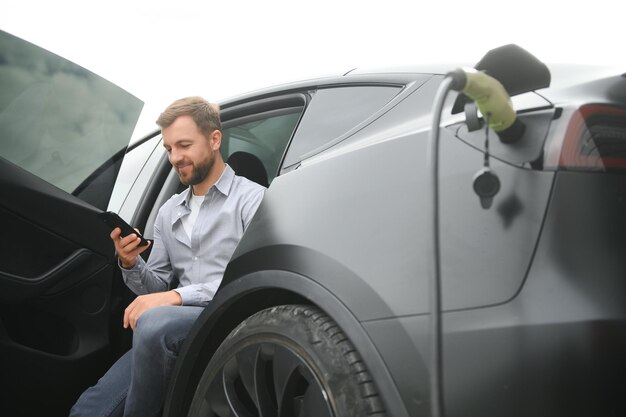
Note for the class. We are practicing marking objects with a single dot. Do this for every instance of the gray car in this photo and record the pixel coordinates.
(326, 307)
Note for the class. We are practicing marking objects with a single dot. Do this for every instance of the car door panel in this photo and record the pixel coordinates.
(65, 132)
(53, 346)
(60, 293)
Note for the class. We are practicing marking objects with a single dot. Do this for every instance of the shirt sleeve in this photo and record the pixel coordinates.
(197, 294)
(251, 205)
(156, 274)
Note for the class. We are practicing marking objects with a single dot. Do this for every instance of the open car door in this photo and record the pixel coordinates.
(63, 133)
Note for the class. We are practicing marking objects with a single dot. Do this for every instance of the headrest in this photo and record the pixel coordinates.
(247, 165)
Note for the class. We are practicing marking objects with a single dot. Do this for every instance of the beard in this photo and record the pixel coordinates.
(199, 172)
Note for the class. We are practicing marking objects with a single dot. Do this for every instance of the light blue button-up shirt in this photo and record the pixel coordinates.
(197, 262)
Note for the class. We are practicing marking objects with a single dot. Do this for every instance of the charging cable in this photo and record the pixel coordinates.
(494, 102)
(436, 369)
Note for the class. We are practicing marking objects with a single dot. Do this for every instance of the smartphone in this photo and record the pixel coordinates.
(113, 220)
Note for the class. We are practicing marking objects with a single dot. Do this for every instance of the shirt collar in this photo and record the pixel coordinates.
(223, 185)
(225, 181)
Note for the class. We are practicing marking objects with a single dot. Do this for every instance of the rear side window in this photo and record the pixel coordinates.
(333, 112)
(264, 135)
(61, 122)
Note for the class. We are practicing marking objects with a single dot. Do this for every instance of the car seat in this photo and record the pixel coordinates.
(248, 165)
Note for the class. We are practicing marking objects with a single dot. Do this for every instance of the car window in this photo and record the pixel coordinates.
(140, 164)
(60, 121)
(264, 135)
(333, 112)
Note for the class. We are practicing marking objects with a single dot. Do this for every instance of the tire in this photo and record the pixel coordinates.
(284, 361)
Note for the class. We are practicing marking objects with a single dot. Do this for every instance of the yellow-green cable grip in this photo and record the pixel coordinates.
(490, 98)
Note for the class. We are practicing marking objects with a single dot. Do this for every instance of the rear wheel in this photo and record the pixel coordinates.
(286, 361)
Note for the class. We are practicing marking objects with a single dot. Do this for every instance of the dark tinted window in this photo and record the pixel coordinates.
(60, 121)
(333, 112)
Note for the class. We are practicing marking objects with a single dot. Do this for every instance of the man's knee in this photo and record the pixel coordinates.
(165, 323)
(153, 323)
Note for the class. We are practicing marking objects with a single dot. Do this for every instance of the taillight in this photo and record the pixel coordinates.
(595, 139)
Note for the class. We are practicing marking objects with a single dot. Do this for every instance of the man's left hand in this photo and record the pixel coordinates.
(148, 301)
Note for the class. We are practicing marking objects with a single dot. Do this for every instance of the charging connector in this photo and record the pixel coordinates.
(490, 97)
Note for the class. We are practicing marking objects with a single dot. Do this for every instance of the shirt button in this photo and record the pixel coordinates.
(195, 258)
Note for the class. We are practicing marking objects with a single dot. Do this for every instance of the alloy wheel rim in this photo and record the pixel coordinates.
(265, 380)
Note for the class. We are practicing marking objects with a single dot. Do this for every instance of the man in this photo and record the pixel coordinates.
(195, 234)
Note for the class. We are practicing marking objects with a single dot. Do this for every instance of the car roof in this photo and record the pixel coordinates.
(563, 76)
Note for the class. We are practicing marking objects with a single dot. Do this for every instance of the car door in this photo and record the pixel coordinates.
(63, 135)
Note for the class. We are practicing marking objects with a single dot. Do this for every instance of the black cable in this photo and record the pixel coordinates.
(436, 371)
(486, 161)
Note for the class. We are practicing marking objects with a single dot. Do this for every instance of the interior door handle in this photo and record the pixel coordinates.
(15, 288)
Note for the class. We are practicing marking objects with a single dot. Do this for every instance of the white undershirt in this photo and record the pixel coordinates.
(189, 221)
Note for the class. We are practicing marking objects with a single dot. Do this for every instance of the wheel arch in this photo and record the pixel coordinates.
(248, 290)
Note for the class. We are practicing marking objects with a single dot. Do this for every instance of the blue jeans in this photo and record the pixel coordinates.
(137, 383)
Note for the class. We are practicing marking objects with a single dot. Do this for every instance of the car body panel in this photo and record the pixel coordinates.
(381, 239)
(556, 347)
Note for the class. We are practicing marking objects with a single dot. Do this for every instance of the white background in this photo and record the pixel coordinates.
(164, 50)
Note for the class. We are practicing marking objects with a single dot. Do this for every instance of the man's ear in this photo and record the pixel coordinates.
(216, 139)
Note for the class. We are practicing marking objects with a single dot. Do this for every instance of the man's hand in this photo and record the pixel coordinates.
(145, 302)
(127, 247)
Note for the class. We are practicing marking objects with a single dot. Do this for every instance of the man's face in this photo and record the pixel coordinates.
(191, 154)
